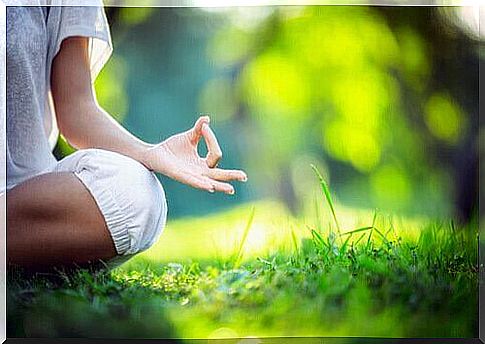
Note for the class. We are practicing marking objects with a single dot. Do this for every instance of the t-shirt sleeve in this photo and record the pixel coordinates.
(86, 21)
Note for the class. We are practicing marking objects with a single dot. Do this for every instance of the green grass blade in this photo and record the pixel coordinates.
(358, 240)
(374, 218)
(319, 239)
(328, 196)
(244, 237)
(381, 235)
(295, 242)
(362, 229)
(316, 236)
(344, 246)
(370, 237)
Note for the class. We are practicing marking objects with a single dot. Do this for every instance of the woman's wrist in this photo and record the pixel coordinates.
(144, 155)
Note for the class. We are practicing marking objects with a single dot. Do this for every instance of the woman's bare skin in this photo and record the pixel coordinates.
(52, 219)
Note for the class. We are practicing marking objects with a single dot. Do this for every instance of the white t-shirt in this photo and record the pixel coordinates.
(34, 37)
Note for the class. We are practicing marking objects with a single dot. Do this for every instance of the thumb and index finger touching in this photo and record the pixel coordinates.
(214, 153)
(201, 129)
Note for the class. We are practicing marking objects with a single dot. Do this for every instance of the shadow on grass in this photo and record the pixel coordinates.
(83, 303)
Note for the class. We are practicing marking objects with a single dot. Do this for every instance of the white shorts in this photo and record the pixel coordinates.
(128, 195)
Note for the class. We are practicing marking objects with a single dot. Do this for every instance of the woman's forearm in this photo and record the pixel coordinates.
(93, 127)
(81, 120)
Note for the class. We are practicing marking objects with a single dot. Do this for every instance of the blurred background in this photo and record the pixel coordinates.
(383, 100)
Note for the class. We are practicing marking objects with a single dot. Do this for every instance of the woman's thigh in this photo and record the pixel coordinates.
(52, 220)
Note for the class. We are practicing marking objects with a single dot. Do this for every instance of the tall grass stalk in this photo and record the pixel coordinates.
(239, 255)
(328, 196)
(295, 242)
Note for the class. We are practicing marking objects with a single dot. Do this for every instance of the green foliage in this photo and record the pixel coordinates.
(344, 79)
(444, 118)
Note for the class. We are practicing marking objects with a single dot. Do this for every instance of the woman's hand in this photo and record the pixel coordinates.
(86, 125)
(177, 158)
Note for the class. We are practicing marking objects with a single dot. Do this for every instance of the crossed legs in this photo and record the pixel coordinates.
(52, 220)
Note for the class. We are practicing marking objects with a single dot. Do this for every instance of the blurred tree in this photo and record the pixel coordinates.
(384, 86)
(451, 110)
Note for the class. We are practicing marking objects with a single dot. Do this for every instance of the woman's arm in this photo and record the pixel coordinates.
(86, 125)
(81, 120)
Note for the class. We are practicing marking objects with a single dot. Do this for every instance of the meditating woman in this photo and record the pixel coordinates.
(103, 202)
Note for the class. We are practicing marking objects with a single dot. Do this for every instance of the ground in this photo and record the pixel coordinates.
(257, 271)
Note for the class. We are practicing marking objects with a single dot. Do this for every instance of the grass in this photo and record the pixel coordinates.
(239, 254)
(256, 271)
(328, 196)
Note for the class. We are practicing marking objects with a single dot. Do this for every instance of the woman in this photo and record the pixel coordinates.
(103, 202)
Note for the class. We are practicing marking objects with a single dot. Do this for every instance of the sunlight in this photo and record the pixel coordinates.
(257, 239)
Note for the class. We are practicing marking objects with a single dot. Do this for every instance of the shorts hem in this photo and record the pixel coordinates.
(115, 220)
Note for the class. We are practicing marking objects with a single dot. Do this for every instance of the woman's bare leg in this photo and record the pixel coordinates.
(52, 220)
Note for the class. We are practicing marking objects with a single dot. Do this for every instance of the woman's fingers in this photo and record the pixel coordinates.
(196, 131)
(221, 187)
(204, 183)
(211, 185)
(196, 182)
(227, 175)
(214, 152)
(187, 177)
(201, 128)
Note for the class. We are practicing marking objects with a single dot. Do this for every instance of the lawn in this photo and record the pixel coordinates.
(257, 271)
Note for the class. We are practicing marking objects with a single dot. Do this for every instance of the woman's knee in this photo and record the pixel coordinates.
(142, 199)
(129, 196)
(149, 207)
